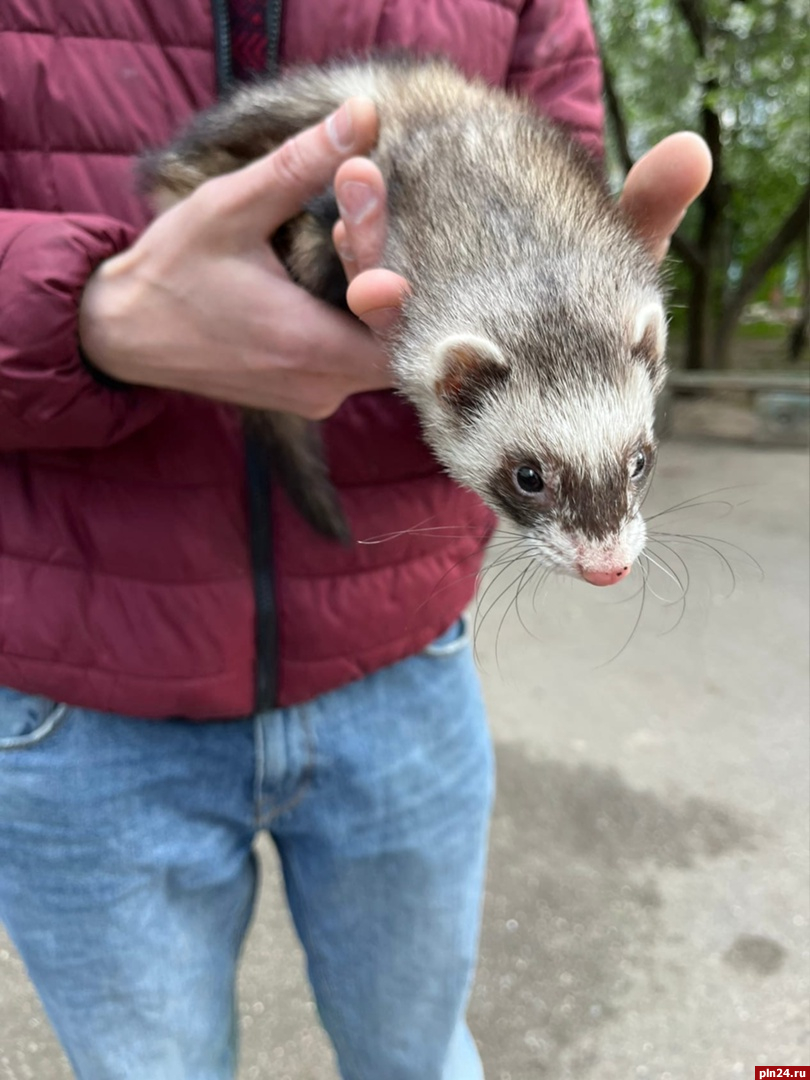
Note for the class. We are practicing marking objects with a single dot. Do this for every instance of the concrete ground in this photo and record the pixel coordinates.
(647, 911)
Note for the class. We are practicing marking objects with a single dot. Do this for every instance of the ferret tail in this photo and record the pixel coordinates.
(297, 461)
(256, 119)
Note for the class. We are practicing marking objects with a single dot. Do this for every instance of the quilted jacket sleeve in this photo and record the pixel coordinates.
(48, 398)
(555, 62)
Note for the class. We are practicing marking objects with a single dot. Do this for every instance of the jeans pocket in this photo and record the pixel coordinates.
(454, 640)
(26, 719)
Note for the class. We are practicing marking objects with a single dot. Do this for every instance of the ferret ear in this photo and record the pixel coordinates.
(468, 369)
(649, 339)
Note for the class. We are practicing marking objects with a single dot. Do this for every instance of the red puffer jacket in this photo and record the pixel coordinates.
(132, 575)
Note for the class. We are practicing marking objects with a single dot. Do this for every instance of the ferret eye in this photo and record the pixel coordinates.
(639, 466)
(529, 479)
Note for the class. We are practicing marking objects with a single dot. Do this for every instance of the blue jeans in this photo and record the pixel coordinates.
(127, 878)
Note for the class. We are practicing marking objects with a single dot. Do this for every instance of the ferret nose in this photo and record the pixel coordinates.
(605, 577)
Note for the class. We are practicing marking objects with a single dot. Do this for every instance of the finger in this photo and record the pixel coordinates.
(345, 253)
(360, 192)
(376, 297)
(662, 184)
(273, 189)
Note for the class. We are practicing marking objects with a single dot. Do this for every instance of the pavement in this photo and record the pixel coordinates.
(648, 902)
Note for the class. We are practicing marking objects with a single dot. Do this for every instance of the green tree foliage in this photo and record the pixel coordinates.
(738, 72)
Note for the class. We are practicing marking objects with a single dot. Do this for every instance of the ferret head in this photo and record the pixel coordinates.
(554, 430)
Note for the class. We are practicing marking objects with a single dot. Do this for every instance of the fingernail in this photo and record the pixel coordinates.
(381, 319)
(341, 128)
(356, 201)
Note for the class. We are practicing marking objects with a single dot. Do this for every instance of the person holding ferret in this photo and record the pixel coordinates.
(183, 660)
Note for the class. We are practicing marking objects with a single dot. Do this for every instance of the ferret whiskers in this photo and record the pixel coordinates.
(701, 500)
(480, 618)
(666, 569)
(636, 624)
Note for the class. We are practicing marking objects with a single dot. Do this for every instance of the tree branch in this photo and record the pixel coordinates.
(789, 231)
(695, 19)
(686, 250)
(616, 117)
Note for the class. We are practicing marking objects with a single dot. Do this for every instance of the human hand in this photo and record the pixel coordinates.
(200, 303)
(661, 186)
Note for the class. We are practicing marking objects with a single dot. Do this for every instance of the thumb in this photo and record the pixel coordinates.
(273, 189)
(662, 184)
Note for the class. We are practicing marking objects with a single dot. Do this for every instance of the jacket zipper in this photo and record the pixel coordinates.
(222, 46)
(273, 24)
(257, 466)
(261, 555)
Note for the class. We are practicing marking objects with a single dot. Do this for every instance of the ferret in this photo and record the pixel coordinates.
(532, 342)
